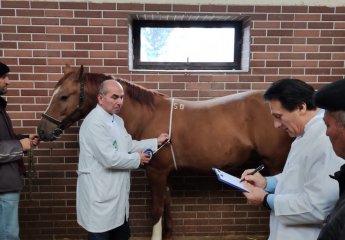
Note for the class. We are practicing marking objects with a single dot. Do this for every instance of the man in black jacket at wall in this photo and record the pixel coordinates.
(12, 147)
(331, 98)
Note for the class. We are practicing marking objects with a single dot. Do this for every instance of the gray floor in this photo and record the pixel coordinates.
(230, 237)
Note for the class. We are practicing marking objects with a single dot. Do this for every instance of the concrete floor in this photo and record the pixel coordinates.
(230, 237)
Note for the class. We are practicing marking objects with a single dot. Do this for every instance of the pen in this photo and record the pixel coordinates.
(258, 169)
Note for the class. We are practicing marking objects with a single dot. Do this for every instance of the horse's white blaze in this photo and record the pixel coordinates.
(51, 99)
(157, 230)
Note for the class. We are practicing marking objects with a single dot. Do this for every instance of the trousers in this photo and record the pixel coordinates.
(9, 226)
(120, 233)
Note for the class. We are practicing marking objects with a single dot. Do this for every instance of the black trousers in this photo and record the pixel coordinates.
(120, 233)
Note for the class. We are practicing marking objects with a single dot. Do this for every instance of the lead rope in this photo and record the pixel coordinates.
(32, 174)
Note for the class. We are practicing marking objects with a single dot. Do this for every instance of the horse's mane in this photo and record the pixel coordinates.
(134, 91)
(138, 93)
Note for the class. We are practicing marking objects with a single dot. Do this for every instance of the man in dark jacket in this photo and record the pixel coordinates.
(12, 147)
(331, 98)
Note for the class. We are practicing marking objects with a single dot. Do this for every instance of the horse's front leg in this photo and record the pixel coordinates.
(160, 203)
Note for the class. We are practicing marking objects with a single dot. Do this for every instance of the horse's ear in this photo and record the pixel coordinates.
(80, 72)
(67, 69)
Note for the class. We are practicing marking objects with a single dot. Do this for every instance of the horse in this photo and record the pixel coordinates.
(221, 133)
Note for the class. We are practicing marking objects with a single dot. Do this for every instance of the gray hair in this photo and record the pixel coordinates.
(102, 90)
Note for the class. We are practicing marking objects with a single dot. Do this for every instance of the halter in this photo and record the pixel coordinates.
(60, 125)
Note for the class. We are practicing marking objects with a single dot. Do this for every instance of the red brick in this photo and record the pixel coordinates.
(265, 40)
(15, 4)
(73, 5)
(18, 53)
(30, 13)
(241, 8)
(333, 17)
(338, 71)
(16, 21)
(19, 37)
(331, 64)
(319, 40)
(58, 13)
(305, 48)
(294, 9)
(212, 8)
(281, 17)
(102, 22)
(280, 33)
(317, 71)
(185, 8)
(158, 7)
(45, 5)
(264, 71)
(293, 25)
(307, 17)
(7, 29)
(130, 6)
(291, 71)
(332, 33)
(266, 25)
(308, 63)
(319, 55)
(7, 12)
(317, 9)
(269, 9)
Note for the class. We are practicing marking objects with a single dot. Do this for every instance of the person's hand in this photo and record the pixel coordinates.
(162, 138)
(256, 180)
(255, 196)
(35, 139)
(26, 144)
(144, 158)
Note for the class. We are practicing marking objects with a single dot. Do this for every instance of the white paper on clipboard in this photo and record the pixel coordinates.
(230, 180)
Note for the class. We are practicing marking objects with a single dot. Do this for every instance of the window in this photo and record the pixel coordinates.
(186, 45)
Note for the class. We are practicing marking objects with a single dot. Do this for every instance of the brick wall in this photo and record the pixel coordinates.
(38, 38)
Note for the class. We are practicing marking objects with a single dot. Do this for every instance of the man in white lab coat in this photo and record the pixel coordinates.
(301, 196)
(107, 153)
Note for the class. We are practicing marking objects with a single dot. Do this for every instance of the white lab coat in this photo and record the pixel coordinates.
(107, 153)
(305, 194)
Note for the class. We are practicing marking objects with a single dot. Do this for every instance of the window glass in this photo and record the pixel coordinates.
(187, 44)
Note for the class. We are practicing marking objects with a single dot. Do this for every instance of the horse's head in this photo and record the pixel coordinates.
(66, 105)
(75, 95)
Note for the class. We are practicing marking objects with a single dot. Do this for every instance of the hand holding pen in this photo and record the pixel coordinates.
(258, 169)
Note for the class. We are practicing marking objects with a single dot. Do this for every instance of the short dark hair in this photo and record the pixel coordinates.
(331, 96)
(291, 93)
(4, 69)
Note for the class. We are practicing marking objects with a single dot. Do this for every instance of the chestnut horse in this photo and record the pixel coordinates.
(224, 132)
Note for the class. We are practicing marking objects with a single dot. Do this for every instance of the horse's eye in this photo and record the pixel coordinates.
(63, 98)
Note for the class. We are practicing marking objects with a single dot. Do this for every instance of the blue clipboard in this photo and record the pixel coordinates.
(230, 180)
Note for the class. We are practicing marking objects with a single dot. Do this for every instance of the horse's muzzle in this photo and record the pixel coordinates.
(49, 137)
